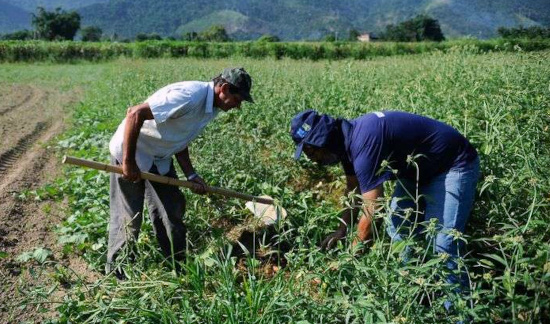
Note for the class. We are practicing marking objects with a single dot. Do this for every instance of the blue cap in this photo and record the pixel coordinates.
(308, 127)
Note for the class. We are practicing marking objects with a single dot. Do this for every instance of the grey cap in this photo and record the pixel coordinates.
(241, 80)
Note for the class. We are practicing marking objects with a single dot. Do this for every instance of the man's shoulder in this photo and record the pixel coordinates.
(368, 123)
(191, 86)
(364, 134)
(190, 91)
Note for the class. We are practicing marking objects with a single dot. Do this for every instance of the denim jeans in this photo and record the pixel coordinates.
(448, 198)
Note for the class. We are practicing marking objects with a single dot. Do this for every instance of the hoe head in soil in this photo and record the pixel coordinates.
(267, 214)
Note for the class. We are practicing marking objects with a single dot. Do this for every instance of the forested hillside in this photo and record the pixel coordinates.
(13, 18)
(292, 19)
(30, 5)
(308, 19)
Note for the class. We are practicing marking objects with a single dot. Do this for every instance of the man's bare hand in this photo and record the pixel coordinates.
(200, 185)
(130, 171)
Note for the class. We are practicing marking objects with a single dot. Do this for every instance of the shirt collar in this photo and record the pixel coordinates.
(210, 98)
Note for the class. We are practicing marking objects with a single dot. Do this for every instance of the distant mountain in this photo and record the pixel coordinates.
(13, 18)
(298, 19)
(17, 14)
(482, 18)
(311, 19)
(31, 5)
(234, 22)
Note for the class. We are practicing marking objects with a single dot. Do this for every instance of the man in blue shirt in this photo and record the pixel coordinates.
(436, 169)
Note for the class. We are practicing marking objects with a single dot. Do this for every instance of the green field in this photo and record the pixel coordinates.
(69, 51)
(500, 101)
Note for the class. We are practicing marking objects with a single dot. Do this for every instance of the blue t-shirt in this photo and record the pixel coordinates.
(392, 136)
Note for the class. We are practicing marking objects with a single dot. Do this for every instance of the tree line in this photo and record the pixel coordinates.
(93, 51)
(532, 32)
(63, 25)
(418, 29)
(59, 25)
(56, 25)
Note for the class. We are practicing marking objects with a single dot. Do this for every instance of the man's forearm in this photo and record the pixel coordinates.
(135, 117)
(370, 202)
(349, 215)
(131, 134)
(185, 162)
(365, 223)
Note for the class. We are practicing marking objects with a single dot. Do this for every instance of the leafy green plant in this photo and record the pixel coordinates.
(497, 99)
(39, 254)
(150, 46)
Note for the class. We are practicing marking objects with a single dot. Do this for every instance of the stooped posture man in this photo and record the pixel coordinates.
(147, 139)
(397, 145)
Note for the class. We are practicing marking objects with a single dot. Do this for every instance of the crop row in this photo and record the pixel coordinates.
(37, 51)
(497, 100)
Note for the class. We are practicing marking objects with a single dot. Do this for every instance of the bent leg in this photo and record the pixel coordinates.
(403, 209)
(449, 199)
(126, 206)
(404, 215)
(166, 204)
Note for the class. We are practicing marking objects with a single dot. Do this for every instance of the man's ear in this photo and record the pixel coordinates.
(224, 88)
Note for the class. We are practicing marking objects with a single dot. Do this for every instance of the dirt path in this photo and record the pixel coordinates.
(30, 117)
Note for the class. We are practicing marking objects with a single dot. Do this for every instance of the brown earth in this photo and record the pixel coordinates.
(30, 117)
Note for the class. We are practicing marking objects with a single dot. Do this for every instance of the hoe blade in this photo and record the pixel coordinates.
(267, 214)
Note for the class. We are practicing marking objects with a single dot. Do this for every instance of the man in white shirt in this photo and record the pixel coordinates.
(146, 140)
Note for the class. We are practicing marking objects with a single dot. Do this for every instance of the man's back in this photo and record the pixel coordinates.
(393, 136)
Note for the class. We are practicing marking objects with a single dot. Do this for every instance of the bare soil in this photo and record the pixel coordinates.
(30, 117)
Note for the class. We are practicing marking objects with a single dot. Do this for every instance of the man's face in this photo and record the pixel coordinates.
(226, 100)
(320, 155)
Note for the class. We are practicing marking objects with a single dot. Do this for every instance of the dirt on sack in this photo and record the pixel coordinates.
(30, 117)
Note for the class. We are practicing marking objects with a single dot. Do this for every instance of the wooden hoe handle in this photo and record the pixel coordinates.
(165, 180)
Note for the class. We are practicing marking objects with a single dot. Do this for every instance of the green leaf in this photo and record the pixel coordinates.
(496, 258)
(24, 257)
(209, 262)
(41, 254)
(381, 316)
(487, 263)
(431, 263)
(97, 246)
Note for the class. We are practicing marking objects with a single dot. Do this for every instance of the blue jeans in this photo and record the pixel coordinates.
(448, 198)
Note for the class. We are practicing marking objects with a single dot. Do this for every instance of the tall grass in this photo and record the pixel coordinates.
(37, 51)
(498, 100)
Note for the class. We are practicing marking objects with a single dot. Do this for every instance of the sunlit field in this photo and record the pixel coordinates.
(499, 101)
